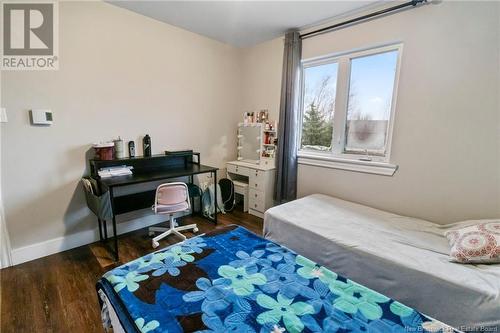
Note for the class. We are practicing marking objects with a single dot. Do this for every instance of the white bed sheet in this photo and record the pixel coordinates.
(401, 257)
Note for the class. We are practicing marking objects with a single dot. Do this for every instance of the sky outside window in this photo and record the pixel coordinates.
(371, 86)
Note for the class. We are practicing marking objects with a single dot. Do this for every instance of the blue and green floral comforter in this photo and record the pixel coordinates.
(231, 280)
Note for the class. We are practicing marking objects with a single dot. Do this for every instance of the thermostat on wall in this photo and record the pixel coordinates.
(41, 117)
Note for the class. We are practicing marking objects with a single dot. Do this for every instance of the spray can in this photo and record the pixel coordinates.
(146, 145)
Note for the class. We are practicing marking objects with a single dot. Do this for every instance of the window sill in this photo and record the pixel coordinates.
(377, 168)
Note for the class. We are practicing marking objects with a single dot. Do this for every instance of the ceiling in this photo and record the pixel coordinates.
(242, 23)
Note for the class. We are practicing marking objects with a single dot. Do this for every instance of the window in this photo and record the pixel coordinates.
(369, 104)
(348, 107)
(320, 85)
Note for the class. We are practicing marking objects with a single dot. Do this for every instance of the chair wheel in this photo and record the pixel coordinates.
(155, 244)
(151, 233)
(195, 229)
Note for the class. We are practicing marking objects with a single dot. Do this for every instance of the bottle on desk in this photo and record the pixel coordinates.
(131, 149)
(146, 145)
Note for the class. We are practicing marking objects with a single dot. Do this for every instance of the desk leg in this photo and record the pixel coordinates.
(100, 229)
(105, 227)
(115, 238)
(191, 199)
(215, 197)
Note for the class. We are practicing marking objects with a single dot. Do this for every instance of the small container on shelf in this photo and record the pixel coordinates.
(104, 151)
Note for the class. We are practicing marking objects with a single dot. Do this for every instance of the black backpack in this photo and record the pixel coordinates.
(195, 194)
(227, 193)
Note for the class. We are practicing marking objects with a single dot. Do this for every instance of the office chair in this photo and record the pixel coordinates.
(171, 198)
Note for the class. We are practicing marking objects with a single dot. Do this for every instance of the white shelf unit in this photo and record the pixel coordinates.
(263, 160)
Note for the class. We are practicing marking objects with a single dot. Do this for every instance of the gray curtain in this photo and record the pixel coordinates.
(286, 157)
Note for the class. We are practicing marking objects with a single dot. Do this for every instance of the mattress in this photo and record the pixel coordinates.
(401, 257)
(232, 280)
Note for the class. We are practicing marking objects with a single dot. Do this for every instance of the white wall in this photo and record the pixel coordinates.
(261, 77)
(446, 132)
(5, 254)
(5, 247)
(120, 74)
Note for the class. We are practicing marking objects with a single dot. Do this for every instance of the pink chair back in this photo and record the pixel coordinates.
(172, 198)
(172, 194)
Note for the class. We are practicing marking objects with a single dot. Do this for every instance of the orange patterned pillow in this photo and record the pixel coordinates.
(476, 244)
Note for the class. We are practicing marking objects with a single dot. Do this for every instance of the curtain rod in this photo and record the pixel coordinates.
(413, 3)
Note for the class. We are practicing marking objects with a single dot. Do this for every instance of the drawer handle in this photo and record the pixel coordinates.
(256, 195)
(255, 205)
(255, 184)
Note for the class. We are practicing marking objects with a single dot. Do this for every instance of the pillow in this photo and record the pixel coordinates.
(478, 243)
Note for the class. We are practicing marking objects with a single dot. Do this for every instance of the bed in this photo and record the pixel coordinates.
(401, 257)
(232, 280)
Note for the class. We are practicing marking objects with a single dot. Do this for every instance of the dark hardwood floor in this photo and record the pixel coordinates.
(57, 293)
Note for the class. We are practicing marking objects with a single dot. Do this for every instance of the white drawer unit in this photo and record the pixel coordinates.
(257, 179)
(260, 183)
(256, 200)
(238, 170)
(257, 207)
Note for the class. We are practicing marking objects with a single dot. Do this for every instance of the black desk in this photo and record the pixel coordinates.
(146, 169)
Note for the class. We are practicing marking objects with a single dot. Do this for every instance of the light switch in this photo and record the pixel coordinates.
(3, 115)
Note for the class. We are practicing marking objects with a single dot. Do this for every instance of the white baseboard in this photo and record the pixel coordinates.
(60, 244)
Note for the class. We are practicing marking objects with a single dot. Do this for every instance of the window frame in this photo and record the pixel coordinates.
(338, 157)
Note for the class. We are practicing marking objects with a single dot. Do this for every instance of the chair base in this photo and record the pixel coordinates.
(167, 231)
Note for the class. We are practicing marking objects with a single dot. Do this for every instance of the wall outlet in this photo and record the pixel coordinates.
(3, 115)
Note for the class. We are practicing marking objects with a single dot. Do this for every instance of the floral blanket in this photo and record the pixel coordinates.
(231, 280)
